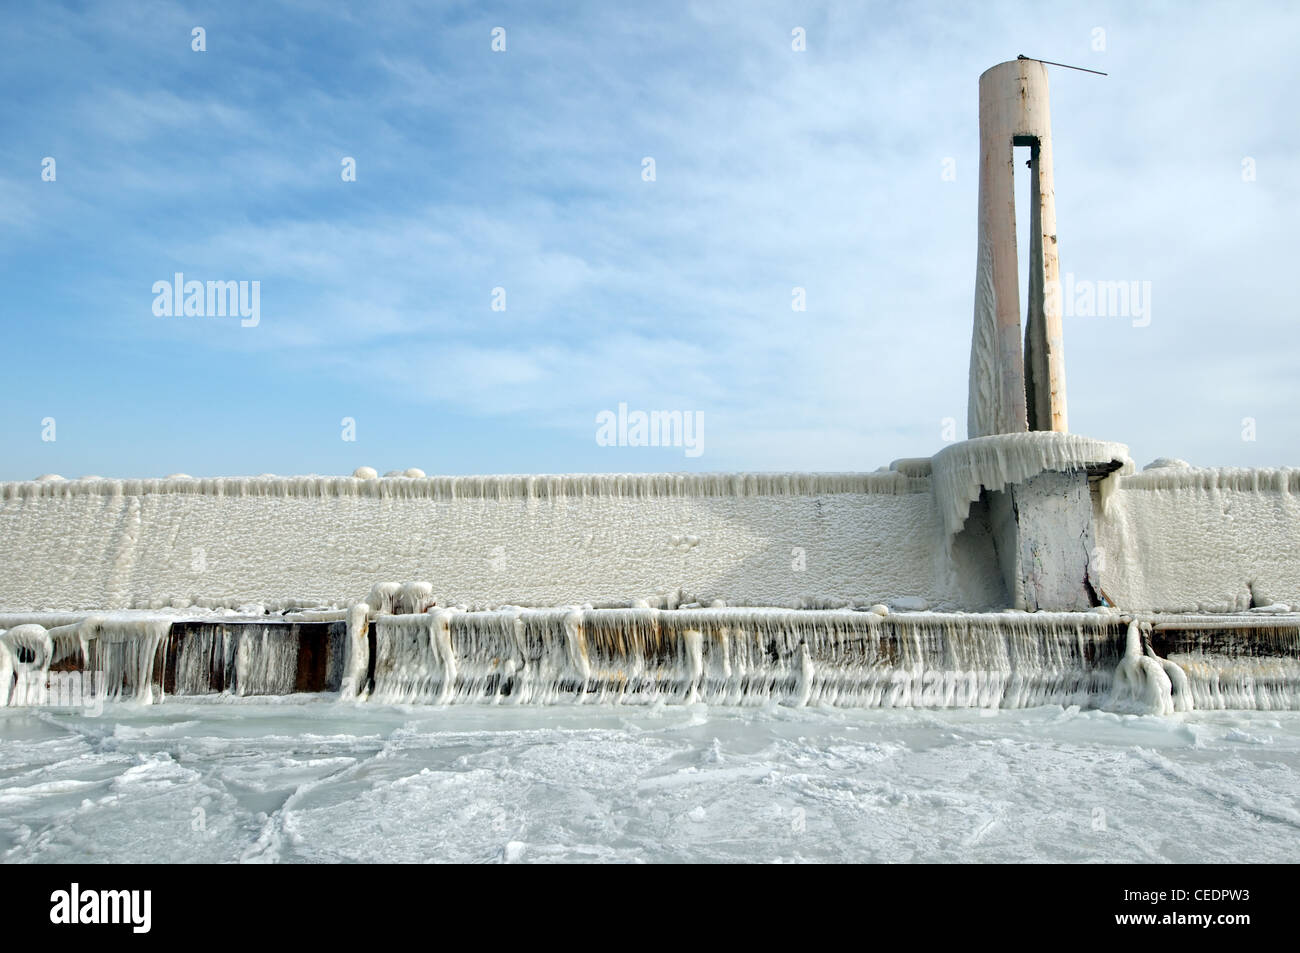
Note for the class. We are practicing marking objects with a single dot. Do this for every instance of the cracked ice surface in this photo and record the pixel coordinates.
(314, 780)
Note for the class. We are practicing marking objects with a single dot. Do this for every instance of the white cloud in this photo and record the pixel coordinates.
(775, 169)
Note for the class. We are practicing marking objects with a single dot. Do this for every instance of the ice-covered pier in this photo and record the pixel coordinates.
(870, 658)
(1023, 566)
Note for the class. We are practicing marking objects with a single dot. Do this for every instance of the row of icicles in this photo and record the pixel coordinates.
(428, 654)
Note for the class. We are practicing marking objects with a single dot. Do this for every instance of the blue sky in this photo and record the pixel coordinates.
(522, 169)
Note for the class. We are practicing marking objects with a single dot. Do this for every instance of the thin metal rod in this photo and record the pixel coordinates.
(1081, 69)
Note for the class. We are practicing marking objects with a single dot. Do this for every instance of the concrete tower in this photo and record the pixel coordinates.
(1011, 390)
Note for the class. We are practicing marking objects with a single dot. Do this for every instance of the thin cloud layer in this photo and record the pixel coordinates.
(501, 270)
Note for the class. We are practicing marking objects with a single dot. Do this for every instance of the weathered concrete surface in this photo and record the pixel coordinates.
(1043, 539)
(1055, 541)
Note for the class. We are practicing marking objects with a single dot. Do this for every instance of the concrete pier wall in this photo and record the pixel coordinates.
(1201, 540)
(1173, 540)
(779, 540)
(1177, 540)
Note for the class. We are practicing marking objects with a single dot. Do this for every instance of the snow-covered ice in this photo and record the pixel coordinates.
(315, 779)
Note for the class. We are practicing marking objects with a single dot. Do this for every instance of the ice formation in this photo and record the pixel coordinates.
(1143, 682)
(387, 598)
(322, 782)
(26, 652)
(144, 658)
(1259, 668)
(356, 652)
(1162, 463)
(729, 656)
(740, 657)
(300, 541)
(127, 652)
(1218, 479)
(662, 586)
(397, 484)
(1183, 539)
(961, 470)
(985, 399)
(1170, 539)
(745, 588)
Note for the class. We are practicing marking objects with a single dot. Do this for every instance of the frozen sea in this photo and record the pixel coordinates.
(312, 780)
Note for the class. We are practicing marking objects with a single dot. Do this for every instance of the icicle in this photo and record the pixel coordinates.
(125, 653)
(693, 643)
(27, 653)
(266, 659)
(806, 672)
(415, 597)
(1260, 683)
(401, 484)
(961, 469)
(1180, 690)
(747, 656)
(718, 656)
(243, 665)
(518, 671)
(6, 670)
(1234, 479)
(576, 643)
(1141, 683)
(440, 642)
(356, 653)
(383, 597)
(205, 660)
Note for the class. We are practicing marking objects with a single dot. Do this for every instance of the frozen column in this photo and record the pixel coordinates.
(1014, 390)
(1039, 520)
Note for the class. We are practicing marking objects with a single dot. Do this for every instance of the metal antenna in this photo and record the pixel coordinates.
(1081, 69)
